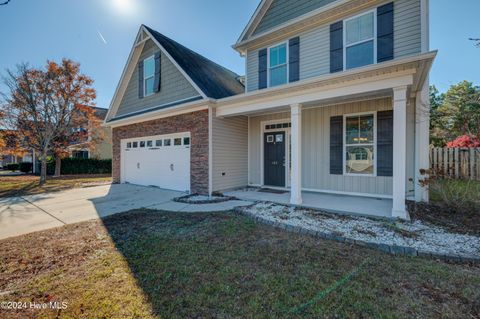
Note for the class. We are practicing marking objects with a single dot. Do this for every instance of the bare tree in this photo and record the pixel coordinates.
(42, 104)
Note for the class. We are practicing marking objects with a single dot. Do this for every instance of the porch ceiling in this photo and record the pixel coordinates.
(363, 83)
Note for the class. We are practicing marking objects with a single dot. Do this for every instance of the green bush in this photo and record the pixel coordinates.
(77, 166)
(13, 167)
(25, 167)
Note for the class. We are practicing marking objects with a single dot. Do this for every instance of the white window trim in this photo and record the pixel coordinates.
(152, 57)
(286, 62)
(345, 46)
(375, 155)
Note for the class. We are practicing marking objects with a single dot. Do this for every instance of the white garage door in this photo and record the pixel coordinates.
(162, 161)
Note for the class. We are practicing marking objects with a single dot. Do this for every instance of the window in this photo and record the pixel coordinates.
(148, 76)
(129, 145)
(167, 142)
(80, 154)
(135, 144)
(186, 141)
(359, 144)
(142, 144)
(149, 143)
(177, 141)
(360, 41)
(158, 143)
(277, 65)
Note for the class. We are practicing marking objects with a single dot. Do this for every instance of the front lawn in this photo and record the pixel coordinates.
(150, 264)
(29, 184)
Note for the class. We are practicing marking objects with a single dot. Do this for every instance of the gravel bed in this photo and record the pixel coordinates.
(417, 235)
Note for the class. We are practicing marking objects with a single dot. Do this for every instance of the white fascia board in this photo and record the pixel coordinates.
(326, 93)
(126, 73)
(255, 19)
(302, 85)
(290, 22)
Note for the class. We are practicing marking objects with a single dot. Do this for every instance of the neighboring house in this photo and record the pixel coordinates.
(98, 146)
(335, 100)
(13, 152)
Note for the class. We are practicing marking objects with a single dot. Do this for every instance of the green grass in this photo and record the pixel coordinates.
(29, 184)
(150, 264)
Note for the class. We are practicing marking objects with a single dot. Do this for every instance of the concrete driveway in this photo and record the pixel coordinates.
(22, 215)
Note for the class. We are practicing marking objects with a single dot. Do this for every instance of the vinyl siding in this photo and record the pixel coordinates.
(252, 70)
(174, 86)
(230, 152)
(315, 53)
(281, 11)
(407, 28)
(315, 44)
(316, 149)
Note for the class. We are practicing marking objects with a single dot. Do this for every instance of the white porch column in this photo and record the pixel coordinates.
(399, 151)
(422, 141)
(296, 141)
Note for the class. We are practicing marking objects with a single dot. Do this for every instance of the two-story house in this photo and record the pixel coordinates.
(335, 100)
(91, 140)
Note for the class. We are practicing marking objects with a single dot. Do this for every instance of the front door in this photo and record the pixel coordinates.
(274, 159)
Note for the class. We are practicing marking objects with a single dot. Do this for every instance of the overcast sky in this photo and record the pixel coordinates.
(99, 34)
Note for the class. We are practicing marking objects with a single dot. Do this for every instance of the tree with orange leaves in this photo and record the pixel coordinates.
(44, 105)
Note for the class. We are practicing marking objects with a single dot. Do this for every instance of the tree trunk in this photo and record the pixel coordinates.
(43, 169)
(58, 165)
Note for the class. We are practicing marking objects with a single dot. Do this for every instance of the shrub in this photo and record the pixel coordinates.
(76, 166)
(25, 167)
(455, 195)
(13, 167)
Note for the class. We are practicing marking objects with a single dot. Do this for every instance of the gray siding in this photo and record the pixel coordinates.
(230, 152)
(174, 86)
(252, 70)
(407, 28)
(315, 44)
(281, 11)
(316, 149)
(315, 53)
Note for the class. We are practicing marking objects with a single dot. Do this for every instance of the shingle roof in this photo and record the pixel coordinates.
(213, 79)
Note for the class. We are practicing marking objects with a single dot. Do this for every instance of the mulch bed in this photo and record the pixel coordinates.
(463, 223)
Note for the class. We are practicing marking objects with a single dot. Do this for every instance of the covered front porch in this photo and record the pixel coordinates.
(300, 139)
(333, 203)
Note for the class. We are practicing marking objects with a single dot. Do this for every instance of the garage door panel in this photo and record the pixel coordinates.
(163, 166)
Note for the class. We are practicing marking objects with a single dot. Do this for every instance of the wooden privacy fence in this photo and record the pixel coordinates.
(462, 163)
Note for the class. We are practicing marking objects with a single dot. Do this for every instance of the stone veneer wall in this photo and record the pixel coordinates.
(196, 123)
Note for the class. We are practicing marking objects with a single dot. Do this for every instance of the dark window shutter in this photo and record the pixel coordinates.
(140, 80)
(294, 59)
(385, 32)
(336, 47)
(158, 68)
(385, 143)
(262, 69)
(336, 145)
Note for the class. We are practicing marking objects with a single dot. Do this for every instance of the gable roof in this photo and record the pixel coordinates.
(213, 80)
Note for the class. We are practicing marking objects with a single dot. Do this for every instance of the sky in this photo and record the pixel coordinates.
(100, 33)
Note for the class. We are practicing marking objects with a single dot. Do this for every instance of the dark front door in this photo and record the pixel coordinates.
(274, 159)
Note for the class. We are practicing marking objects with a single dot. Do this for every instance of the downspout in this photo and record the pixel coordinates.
(210, 150)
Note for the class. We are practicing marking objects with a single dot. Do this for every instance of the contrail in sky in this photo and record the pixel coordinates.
(101, 37)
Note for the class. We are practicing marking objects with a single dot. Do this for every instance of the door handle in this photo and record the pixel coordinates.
(138, 165)
(172, 168)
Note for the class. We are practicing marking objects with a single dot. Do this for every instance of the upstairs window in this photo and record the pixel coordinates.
(148, 76)
(277, 65)
(360, 40)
